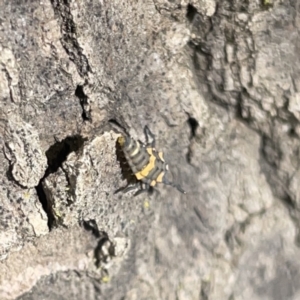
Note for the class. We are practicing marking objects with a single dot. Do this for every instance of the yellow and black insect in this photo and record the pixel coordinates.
(147, 164)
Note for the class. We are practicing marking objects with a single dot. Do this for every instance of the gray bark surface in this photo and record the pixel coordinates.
(218, 84)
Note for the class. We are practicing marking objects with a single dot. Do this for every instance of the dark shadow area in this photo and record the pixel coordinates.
(92, 227)
(193, 123)
(56, 155)
(79, 93)
(191, 12)
(46, 204)
(58, 152)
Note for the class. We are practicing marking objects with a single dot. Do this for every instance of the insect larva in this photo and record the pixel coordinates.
(146, 163)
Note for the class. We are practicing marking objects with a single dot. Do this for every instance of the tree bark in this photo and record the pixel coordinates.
(217, 84)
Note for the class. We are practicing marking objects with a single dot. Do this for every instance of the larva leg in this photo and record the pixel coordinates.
(127, 188)
(150, 138)
(177, 186)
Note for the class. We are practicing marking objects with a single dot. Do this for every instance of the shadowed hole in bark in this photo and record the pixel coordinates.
(292, 133)
(79, 93)
(10, 176)
(91, 226)
(59, 151)
(191, 12)
(193, 123)
(56, 155)
(45, 204)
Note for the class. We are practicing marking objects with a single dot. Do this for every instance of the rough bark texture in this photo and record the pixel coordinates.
(218, 84)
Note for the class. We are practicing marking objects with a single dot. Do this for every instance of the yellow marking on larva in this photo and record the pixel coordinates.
(121, 140)
(139, 176)
(161, 156)
(136, 150)
(147, 169)
(150, 151)
(160, 177)
(153, 183)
